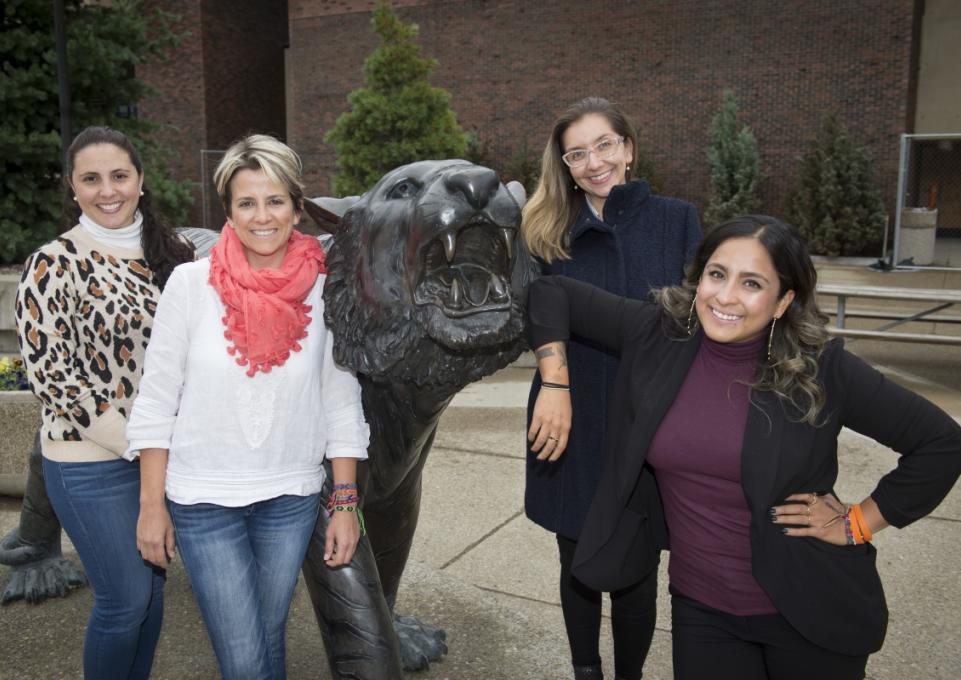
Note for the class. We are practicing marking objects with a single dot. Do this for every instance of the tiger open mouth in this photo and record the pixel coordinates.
(467, 269)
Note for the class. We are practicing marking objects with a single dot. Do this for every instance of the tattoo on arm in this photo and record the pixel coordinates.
(552, 350)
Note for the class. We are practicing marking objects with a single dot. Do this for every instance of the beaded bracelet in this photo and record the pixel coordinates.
(356, 510)
(847, 530)
(347, 500)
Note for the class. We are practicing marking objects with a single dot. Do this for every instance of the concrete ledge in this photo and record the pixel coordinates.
(19, 420)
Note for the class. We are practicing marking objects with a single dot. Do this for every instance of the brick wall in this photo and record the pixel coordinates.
(512, 66)
(224, 79)
(179, 99)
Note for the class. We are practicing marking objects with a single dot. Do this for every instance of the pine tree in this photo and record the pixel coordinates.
(836, 204)
(398, 117)
(643, 167)
(735, 165)
(105, 42)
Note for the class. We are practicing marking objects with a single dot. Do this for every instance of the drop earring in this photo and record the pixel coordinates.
(690, 316)
(770, 339)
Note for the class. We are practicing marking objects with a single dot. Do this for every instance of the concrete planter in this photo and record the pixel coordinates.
(19, 420)
(8, 325)
(918, 229)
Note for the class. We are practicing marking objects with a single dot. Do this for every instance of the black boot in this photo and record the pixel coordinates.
(588, 672)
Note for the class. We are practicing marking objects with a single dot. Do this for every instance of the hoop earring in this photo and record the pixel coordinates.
(690, 316)
(770, 339)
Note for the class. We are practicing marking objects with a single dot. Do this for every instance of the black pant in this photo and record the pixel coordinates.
(633, 613)
(713, 644)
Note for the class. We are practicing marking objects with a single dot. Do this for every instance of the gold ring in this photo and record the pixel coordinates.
(814, 498)
(553, 438)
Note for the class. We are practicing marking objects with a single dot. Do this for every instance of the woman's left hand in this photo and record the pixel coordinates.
(812, 515)
(343, 535)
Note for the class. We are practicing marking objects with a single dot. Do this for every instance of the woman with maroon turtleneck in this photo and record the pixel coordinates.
(730, 394)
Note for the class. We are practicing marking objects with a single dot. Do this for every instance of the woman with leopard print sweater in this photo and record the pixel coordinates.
(85, 307)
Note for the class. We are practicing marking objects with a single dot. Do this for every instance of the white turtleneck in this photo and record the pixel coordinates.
(127, 238)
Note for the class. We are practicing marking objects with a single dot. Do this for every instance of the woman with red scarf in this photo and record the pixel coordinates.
(240, 403)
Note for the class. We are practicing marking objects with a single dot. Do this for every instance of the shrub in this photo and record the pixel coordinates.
(398, 117)
(524, 166)
(476, 150)
(105, 42)
(13, 377)
(836, 204)
(735, 165)
(643, 167)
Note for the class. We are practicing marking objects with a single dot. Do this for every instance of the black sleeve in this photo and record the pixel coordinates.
(558, 306)
(927, 438)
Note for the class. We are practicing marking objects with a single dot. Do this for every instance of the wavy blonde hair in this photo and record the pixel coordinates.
(800, 333)
(555, 204)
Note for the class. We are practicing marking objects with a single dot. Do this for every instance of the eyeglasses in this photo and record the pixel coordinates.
(604, 149)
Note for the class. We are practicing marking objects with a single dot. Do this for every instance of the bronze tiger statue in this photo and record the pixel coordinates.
(426, 283)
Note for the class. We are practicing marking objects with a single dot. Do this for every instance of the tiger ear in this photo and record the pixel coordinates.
(517, 192)
(327, 212)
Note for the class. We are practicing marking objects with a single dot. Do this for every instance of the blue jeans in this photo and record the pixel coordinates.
(243, 565)
(98, 505)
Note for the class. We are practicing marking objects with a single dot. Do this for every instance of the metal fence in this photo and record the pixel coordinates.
(927, 231)
(213, 211)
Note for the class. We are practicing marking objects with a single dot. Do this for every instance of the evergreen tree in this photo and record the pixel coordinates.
(643, 167)
(524, 166)
(735, 165)
(105, 42)
(836, 204)
(398, 117)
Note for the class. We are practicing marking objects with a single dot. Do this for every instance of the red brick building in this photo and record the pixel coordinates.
(512, 65)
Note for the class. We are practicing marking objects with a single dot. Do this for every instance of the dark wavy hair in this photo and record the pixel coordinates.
(799, 335)
(162, 249)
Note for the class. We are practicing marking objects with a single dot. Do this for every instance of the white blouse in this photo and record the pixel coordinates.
(235, 439)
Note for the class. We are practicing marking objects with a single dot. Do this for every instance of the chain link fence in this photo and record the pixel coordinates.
(927, 229)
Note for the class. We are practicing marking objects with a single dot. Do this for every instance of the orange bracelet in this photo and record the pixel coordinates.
(861, 524)
(865, 529)
(856, 536)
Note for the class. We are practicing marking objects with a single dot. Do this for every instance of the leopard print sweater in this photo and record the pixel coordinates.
(84, 312)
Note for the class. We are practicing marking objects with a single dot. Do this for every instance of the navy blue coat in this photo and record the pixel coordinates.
(643, 243)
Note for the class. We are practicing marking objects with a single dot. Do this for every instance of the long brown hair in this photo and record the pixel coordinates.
(554, 205)
(162, 249)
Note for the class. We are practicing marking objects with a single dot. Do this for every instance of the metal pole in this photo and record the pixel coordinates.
(63, 77)
(902, 187)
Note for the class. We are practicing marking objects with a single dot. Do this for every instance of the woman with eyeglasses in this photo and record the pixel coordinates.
(587, 220)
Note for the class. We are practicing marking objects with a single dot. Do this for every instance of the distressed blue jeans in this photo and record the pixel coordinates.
(98, 505)
(243, 564)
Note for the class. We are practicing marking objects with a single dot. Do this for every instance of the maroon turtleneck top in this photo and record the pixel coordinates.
(696, 456)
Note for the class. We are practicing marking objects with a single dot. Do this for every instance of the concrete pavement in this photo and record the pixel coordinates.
(487, 575)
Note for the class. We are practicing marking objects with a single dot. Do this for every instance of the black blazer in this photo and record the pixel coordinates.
(831, 594)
